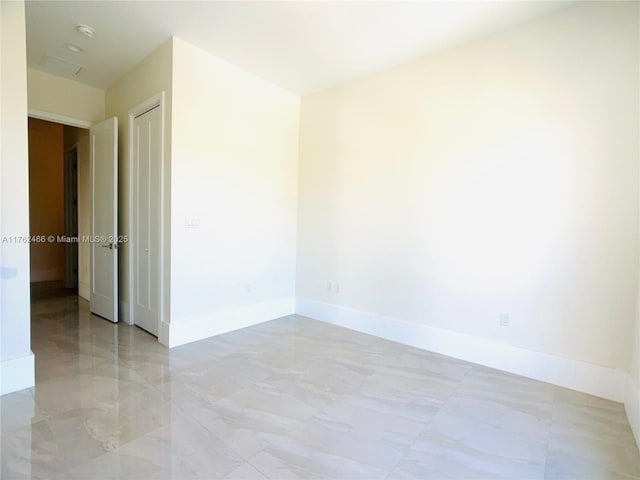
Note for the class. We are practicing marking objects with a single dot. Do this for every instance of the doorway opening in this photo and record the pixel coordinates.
(58, 200)
(71, 217)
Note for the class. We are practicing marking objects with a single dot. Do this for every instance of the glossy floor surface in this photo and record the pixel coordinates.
(291, 398)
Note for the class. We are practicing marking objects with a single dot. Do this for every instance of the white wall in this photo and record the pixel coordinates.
(632, 399)
(150, 77)
(234, 169)
(63, 98)
(17, 367)
(497, 176)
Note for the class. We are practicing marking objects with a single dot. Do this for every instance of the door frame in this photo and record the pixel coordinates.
(70, 122)
(71, 214)
(157, 100)
(55, 118)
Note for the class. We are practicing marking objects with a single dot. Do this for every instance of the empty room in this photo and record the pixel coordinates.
(323, 239)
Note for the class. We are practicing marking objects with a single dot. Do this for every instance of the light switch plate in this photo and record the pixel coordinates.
(192, 222)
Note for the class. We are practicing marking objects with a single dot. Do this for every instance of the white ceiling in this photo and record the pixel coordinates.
(301, 46)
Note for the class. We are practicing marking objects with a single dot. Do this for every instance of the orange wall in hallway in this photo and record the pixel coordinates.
(46, 199)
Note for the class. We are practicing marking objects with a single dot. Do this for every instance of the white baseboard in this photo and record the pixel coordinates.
(123, 312)
(632, 407)
(17, 374)
(223, 321)
(163, 334)
(577, 375)
(83, 290)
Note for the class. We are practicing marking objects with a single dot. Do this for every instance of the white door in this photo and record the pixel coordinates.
(147, 138)
(104, 219)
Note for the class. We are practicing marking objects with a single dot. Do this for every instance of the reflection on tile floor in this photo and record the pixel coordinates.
(291, 398)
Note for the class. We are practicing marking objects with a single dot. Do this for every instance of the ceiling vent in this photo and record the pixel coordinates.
(58, 66)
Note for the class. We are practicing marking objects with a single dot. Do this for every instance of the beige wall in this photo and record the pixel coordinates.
(62, 97)
(244, 188)
(15, 344)
(635, 359)
(497, 176)
(46, 199)
(80, 137)
(234, 168)
(632, 401)
(150, 77)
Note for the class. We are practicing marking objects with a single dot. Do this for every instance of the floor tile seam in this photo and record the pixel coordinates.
(409, 447)
(80, 465)
(455, 389)
(428, 422)
(485, 421)
(38, 413)
(285, 434)
(264, 474)
(184, 412)
(249, 460)
(190, 418)
(318, 410)
(120, 443)
(204, 426)
(551, 422)
(481, 421)
(62, 473)
(11, 432)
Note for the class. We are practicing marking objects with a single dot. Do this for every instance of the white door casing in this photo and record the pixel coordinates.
(71, 216)
(104, 219)
(147, 211)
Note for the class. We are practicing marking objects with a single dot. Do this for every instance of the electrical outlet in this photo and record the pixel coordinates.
(336, 287)
(329, 287)
(504, 320)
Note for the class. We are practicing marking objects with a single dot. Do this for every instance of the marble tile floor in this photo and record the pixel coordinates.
(291, 398)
